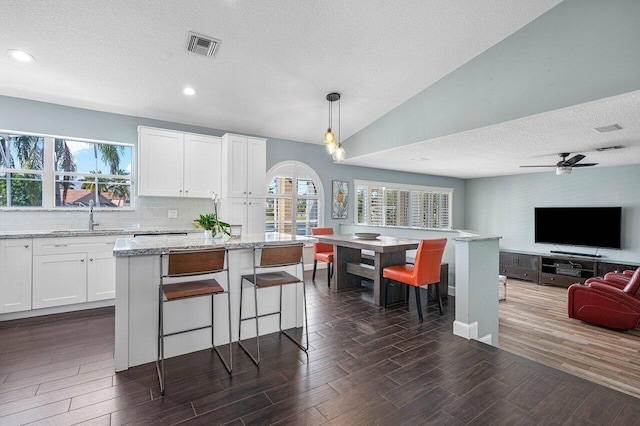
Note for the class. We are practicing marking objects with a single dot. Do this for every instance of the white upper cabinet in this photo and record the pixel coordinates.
(202, 160)
(178, 164)
(245, 166)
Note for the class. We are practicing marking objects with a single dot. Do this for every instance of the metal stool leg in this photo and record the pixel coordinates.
(306, 325)
(160, 357)
(255, 359)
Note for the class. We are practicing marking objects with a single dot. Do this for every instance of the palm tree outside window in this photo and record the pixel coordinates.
(71, 168)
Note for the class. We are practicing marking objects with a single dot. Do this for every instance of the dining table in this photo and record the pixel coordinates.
(350, 266)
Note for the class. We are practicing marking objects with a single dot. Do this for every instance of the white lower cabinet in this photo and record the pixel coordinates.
(101, 276)
(72, 270)
(59, 279)
(15, 275)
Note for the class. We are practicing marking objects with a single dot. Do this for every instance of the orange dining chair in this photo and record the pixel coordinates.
(323, 252)
(425, 271)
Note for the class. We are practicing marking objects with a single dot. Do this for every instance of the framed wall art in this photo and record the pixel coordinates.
(340, 200)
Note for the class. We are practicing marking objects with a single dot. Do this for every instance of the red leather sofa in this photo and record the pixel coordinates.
(611, 302)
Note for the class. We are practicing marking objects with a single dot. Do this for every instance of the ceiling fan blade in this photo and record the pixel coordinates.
(585, 165)
(540, 166)
(573, 160)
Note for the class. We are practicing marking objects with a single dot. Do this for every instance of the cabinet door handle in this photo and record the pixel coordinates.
(244, 192)
(82, 260)
(26, 246)
(250, 192)
(59, 245)
(186, 191)
(91, 259)
(180, 190)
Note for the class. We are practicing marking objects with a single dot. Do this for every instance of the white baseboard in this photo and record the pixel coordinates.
(486, 339)
(57, 310)
(468, 331)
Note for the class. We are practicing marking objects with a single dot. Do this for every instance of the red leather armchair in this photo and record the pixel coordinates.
(599, 302)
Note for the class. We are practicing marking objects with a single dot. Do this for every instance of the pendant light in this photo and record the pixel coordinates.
(333, 144)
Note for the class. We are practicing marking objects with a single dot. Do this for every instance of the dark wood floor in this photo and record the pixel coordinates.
(366, 366)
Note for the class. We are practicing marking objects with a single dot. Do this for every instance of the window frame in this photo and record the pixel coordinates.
(49, 174)
(308, 171)
(395, 190)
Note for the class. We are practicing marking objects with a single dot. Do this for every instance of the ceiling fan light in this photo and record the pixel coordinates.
(563, 170)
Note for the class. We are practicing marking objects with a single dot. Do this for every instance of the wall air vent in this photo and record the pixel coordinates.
(202, 45)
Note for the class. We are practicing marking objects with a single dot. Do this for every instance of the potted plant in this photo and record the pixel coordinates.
(213, 227)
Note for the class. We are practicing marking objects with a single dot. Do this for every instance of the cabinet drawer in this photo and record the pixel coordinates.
(519, 273)
(44, 246)
(559, 280)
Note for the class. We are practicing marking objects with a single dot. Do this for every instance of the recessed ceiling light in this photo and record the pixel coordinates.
(21, 55)
(189, 91)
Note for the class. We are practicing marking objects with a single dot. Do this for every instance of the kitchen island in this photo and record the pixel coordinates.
(137, 280)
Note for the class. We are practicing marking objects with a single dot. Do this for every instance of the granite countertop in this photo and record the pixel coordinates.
(153, 245)
(89, 233)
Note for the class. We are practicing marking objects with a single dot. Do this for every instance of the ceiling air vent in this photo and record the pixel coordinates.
(202, 45)
(610, 128)
(608, 148)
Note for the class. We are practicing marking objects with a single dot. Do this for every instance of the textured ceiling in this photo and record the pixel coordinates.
(278, 60)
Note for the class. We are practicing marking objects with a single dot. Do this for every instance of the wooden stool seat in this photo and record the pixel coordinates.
(188, 289)
(269, 279)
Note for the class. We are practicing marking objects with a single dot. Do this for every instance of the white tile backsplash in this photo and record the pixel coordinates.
(150, 212)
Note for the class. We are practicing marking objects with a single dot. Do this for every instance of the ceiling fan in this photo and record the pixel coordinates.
(564, 166)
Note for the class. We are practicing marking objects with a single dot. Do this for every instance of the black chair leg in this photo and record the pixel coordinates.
(329, 273)
(439, 298)
(418, 304)
(315, 265)
(384, 292)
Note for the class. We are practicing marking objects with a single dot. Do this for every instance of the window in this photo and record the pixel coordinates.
(51, 172)
(386, 204)
(292, 183)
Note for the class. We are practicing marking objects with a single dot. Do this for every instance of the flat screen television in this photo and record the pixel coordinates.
(579, 226)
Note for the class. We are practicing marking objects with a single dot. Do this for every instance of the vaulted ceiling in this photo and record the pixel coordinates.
(276, 62)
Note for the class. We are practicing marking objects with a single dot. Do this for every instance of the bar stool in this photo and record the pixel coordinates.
(272, 256)
(323, 252)
(425, 271)
(177, 284)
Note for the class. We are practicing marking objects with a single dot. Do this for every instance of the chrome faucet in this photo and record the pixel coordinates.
(92, 224)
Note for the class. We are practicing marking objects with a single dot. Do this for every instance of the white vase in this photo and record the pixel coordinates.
(207, 234)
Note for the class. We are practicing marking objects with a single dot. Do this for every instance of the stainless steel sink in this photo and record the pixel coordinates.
(86, 231)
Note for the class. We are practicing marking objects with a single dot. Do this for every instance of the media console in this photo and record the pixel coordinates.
(554, 269)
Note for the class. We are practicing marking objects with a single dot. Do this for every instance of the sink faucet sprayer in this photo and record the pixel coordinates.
(92, 224)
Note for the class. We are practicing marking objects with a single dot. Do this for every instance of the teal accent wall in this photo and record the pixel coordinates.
(504, 206)
(579, 51)
(39, 117)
